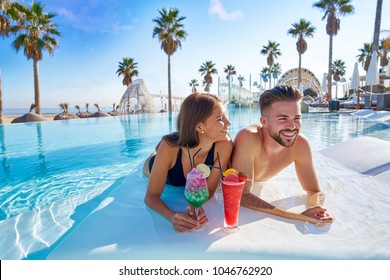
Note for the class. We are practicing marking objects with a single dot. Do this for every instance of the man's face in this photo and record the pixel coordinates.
(283, 122)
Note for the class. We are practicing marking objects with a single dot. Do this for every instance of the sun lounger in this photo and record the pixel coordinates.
(366, 155)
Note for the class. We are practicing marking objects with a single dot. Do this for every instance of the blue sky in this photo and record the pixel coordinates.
(97, 34)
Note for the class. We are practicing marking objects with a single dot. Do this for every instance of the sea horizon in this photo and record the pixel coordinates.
(21, 111)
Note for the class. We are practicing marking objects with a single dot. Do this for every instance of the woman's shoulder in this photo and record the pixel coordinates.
(224, 145)
(167, 147)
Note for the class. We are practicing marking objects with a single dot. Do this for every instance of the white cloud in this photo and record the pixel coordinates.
(217, 8)
(68, 15)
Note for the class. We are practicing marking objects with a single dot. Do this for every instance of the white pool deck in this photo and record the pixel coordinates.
(122, 227)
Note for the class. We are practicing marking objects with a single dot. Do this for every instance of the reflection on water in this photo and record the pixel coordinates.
(41, 151)
(6, 166)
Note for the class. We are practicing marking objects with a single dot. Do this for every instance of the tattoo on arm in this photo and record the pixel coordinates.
(249, 200)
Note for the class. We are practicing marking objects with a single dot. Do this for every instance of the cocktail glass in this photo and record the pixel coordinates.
(232, 192)
(196, 191)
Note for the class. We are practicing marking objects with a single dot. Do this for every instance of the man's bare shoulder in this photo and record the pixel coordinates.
(302, 141)
(249, 134)
(249, 131)
(301, 148)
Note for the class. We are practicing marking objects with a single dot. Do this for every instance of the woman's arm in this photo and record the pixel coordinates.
(165, 159)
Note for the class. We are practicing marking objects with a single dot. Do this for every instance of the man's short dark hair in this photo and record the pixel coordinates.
(279, 93)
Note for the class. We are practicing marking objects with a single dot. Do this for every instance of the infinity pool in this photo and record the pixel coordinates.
(48, 169)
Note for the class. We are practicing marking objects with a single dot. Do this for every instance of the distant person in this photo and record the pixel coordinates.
(263, 150)
(201, 124)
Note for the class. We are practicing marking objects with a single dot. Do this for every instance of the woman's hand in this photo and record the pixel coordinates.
(186, 222)
(318, 216)
(202, 219)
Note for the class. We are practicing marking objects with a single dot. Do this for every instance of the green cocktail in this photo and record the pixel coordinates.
(196, 191)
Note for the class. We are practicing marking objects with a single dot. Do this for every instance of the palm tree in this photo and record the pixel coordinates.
(240, 79)
(207, 69)
(265, 74)
(275, 70)
(272, 52)
(193, 84)
(338, 70)
(332, 8)
(8, 13)
(301, 29)
(170, 32)
(384, 47)
(386, 43)
(365, 55)
(127, 68)
(377, 27)
(205, 85)
(35, 34)
(230, 70)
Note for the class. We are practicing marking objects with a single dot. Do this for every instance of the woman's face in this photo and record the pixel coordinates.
(216, 126)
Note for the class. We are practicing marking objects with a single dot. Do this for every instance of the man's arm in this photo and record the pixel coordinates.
(307, 177)
(246, 145)
(304, 167)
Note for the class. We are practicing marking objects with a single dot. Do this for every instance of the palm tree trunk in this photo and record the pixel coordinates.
(37, 97)
(169, 85)
(299, 71)
(330, 68)
(375, 43)
(270, 79)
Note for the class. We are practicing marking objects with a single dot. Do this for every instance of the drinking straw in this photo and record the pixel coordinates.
(193, 157)
(220, 167)
(189, 156)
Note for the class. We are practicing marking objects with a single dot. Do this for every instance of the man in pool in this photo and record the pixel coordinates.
(263, 150)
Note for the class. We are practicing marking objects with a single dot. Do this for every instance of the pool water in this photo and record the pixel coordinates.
(63, 164)
(46, 162)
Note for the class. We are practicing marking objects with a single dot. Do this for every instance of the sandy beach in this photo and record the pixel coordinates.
(7, 119)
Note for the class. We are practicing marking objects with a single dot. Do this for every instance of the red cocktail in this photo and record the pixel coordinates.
(232, 192)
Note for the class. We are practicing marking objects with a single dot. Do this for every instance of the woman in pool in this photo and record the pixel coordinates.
(201, 124)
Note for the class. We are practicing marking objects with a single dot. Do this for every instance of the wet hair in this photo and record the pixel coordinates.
(279, 93)
(196, 108)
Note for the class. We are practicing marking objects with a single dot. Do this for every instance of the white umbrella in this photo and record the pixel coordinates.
(355, 82)
(388, 70)
(324, 85)
(372, 76)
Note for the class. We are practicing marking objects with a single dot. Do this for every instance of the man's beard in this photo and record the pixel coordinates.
(285, 143)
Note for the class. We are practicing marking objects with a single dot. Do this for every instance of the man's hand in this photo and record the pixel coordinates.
(318, 216)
